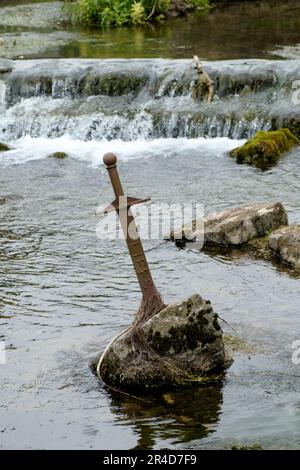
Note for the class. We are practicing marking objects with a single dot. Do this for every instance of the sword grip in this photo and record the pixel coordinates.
(110, 160)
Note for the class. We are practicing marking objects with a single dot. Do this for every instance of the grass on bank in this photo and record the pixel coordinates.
(114, 13)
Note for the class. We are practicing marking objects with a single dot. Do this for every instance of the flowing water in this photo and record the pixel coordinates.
(144, 99)
(64, 293)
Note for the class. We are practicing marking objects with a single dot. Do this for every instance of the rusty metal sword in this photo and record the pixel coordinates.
(151, 301)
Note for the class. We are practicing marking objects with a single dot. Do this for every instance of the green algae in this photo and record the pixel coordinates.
(4, 147)
(265, 148)
(59, 155)
(113, 84)
(243, 447)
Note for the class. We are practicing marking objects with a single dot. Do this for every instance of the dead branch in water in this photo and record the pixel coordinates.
(204, 82)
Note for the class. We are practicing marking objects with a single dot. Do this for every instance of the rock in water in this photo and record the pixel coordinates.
(285, 243)
(4, 147)
(6, 66)
(293, 123)
(236, 226)
(59, 155)
(265, 148)
(179, 344)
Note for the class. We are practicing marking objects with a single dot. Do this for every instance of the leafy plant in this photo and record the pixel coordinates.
(114, 13)
(137, 13)
(200, 4)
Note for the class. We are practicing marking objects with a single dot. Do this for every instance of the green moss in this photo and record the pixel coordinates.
(4, 147)
(260, 246)
(265, 148)
(188, 336)
(112, 84)
(59, 155)
(294, 127)
(253, 447)
(250, 115)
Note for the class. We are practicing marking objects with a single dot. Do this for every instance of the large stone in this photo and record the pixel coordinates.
(265, 148)
(183, 337)
(236, 226)
(285, 243)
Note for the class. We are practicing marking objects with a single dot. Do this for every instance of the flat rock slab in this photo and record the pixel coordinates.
(236, 226)
(183, 337)
(285, 243)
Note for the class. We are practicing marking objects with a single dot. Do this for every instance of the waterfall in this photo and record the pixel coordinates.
(143, 99)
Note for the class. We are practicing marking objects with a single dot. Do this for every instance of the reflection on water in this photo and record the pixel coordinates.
(179, 417)
(248, 29)
(240, 30)
(250, 253)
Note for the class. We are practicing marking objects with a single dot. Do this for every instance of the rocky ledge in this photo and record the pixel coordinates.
(233, 227)
(260, 229)
(176, 346)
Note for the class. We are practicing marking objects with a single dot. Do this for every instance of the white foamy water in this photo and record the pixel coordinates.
(28, 148)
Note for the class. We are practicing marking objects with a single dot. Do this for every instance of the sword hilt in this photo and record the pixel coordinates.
(110, 160)
(152, 301)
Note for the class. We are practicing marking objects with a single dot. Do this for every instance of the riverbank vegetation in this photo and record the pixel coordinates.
(114, 13)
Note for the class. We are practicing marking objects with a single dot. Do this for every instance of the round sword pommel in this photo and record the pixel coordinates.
(110, 159)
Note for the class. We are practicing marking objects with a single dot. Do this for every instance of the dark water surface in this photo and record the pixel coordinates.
(248, 29)
(65, 293)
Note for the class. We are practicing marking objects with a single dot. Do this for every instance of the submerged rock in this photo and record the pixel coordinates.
(236, 344)
(59, 155)
(285, 243)
(180, 343)
(250, 447)
(294, 126)
(265, 148)
(4, 147)
(6, 65)
(236, 226)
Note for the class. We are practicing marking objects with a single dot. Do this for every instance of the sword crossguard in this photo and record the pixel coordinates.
(116, 206)
(110, 161)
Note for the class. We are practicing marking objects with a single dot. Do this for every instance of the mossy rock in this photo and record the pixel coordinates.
(59, 155)
(112, 84)
(294, 127)
(265, 148)
(176, 347)
(4, 147)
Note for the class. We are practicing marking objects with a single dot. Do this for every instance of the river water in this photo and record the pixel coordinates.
(64, 292)
(248, 29)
